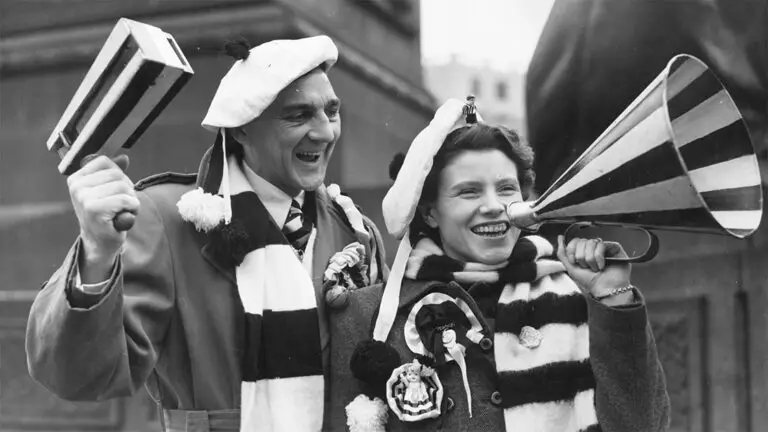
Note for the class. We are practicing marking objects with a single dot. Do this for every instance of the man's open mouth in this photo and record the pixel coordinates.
(492, 229)
(308, 157)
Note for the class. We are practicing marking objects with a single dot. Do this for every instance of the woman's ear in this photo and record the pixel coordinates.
(239, 135)
(427, 214)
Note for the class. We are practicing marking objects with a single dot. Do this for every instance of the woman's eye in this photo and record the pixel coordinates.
(509, 190)
(468, 192)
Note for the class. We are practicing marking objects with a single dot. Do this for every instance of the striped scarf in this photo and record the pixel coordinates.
(548, 388)
(283, 383)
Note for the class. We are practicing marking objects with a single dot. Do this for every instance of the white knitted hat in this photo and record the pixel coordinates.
(253, 83)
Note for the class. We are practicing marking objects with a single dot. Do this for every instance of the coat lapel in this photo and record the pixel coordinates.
(333, 234)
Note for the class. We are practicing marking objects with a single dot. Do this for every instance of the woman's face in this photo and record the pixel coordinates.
(470, 209)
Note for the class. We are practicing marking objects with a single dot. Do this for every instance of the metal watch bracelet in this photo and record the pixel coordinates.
(615, 291)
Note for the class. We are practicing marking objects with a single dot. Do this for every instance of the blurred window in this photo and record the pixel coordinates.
(501, 90)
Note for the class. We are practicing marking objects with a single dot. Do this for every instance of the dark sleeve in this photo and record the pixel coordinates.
(108, 348)
(79, 298)
(631, 392)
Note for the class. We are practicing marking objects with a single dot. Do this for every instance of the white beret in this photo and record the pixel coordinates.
(399, 205)
(251, 85)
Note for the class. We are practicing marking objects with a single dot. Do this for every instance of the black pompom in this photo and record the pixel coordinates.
(373, 362)
(230, 242)
(238, 48)
(395, 165)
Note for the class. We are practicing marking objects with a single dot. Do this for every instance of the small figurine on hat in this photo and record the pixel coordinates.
(470, 110)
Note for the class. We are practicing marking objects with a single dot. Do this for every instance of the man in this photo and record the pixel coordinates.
(595, 57)
(214, 299)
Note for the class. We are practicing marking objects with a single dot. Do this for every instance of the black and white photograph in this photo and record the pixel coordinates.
(383, 215)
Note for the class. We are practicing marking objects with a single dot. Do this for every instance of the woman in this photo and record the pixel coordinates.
(479, 328)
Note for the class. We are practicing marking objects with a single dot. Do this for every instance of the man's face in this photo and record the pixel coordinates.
(290, 144)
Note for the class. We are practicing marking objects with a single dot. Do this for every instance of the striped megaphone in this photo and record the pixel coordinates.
(678, 158)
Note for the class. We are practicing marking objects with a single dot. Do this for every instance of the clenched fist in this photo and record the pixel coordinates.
(584, 260)
(100, 191)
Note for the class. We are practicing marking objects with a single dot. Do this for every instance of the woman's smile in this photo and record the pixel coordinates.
(496, 229)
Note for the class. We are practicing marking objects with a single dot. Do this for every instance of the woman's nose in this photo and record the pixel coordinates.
(322, 130)
(492, 205)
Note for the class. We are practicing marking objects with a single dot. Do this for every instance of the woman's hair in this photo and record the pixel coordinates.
(475, 137)
(478, 137)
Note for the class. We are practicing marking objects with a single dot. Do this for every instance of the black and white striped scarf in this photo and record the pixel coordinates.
(549, 388)
(283, 382)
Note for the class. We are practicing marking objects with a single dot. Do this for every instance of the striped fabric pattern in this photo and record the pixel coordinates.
(547, 388)
(678, 157)
(297, 228)
(283, 384)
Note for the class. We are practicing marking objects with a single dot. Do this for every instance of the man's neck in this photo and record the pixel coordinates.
(255, 169)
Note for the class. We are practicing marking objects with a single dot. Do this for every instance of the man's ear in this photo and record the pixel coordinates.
(426, 212)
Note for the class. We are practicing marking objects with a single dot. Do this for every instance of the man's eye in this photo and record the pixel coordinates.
(332, 113)
(468, 192)
(299, 116)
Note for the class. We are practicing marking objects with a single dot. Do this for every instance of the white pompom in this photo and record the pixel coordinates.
(204, 210)
(367, 415)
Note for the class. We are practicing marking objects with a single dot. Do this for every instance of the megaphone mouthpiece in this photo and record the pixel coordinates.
(522, 215)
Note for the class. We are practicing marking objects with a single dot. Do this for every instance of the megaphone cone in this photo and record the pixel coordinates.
(679, 158)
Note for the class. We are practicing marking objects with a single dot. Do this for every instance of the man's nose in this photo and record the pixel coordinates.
(322, 130)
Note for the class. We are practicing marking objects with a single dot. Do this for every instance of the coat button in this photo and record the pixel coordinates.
(486, 344)
(496, 398)
(449, 404)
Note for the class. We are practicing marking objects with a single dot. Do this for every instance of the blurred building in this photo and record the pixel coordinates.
(45, 49)
(500, 93)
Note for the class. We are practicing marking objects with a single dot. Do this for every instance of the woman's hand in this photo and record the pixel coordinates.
(584, 260)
